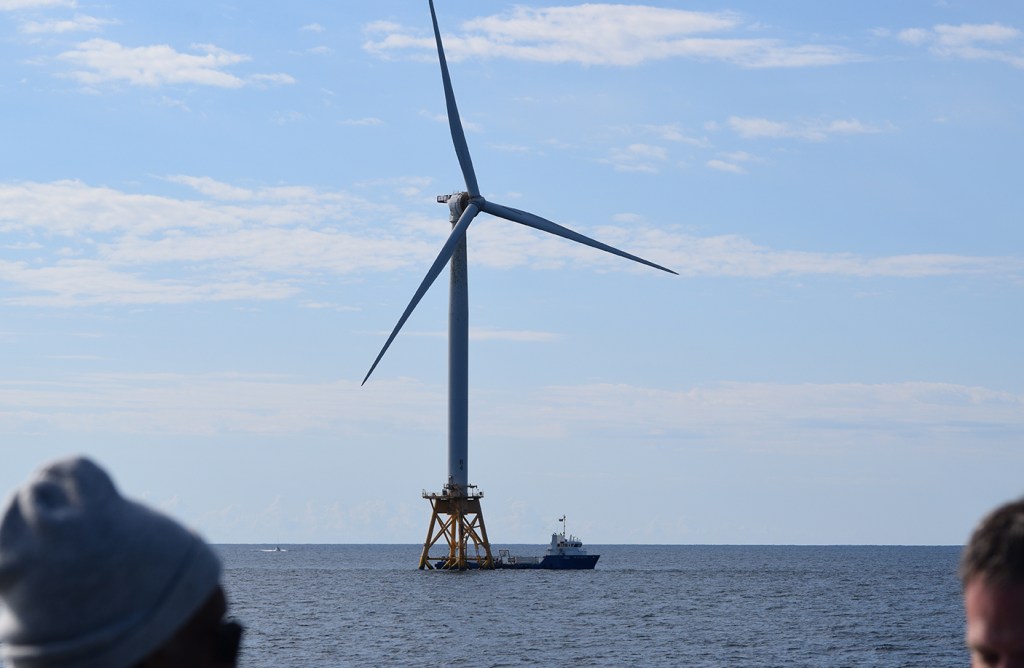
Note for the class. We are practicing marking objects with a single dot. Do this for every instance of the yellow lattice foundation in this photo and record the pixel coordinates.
(456, 517)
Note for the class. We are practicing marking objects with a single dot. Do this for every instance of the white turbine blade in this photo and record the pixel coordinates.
(458, 136)
(538, 223)
(442, 259)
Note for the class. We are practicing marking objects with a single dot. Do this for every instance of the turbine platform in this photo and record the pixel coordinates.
(456, 517)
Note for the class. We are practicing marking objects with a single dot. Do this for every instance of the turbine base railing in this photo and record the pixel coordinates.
(457, 518)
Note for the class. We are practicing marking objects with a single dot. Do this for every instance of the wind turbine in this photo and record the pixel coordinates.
(456, 511)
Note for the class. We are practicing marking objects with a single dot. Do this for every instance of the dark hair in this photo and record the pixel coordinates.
(996, 549)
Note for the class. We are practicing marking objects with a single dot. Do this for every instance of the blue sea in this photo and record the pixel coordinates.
(368, 605)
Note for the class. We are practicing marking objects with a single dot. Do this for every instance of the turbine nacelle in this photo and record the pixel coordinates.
(458, 202)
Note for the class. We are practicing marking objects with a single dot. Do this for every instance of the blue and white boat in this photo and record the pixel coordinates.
(564, 552)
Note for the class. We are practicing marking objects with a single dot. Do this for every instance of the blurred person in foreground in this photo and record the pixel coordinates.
(992, 575)
(89, 579)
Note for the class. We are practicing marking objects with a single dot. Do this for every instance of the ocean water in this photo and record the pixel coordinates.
(368, 605)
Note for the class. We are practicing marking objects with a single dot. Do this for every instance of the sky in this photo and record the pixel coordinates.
(213, 214)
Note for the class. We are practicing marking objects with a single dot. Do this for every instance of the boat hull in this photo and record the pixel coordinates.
(557, 562)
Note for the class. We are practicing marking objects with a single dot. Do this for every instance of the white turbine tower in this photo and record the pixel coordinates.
(456, 511)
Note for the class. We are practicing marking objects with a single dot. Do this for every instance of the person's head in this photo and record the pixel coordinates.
(992, 575)
(89, 579)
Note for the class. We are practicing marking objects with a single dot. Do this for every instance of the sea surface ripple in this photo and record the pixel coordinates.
(357, 605)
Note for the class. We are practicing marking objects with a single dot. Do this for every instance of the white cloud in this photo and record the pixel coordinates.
(915, 36)
(731, 255)
(608, 34)
(288, 117)
(107, 246)
(14, 5)
(177, 104)
(724, 166)
(92, 245)
(989, 41)
(967, 34)
(514, 148)
(736, 415)
(648, 151)
(770, 416)
(213, 188)
(275, 79)
(733, 162)
(77, 24)
(75, 282)
(180, 404)
(815, 130)
(637, 158)
(674, 134)
(468, 126)
(369, 120)
(518, 336)
(313, 27)
(741, 156)
(103, 61)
